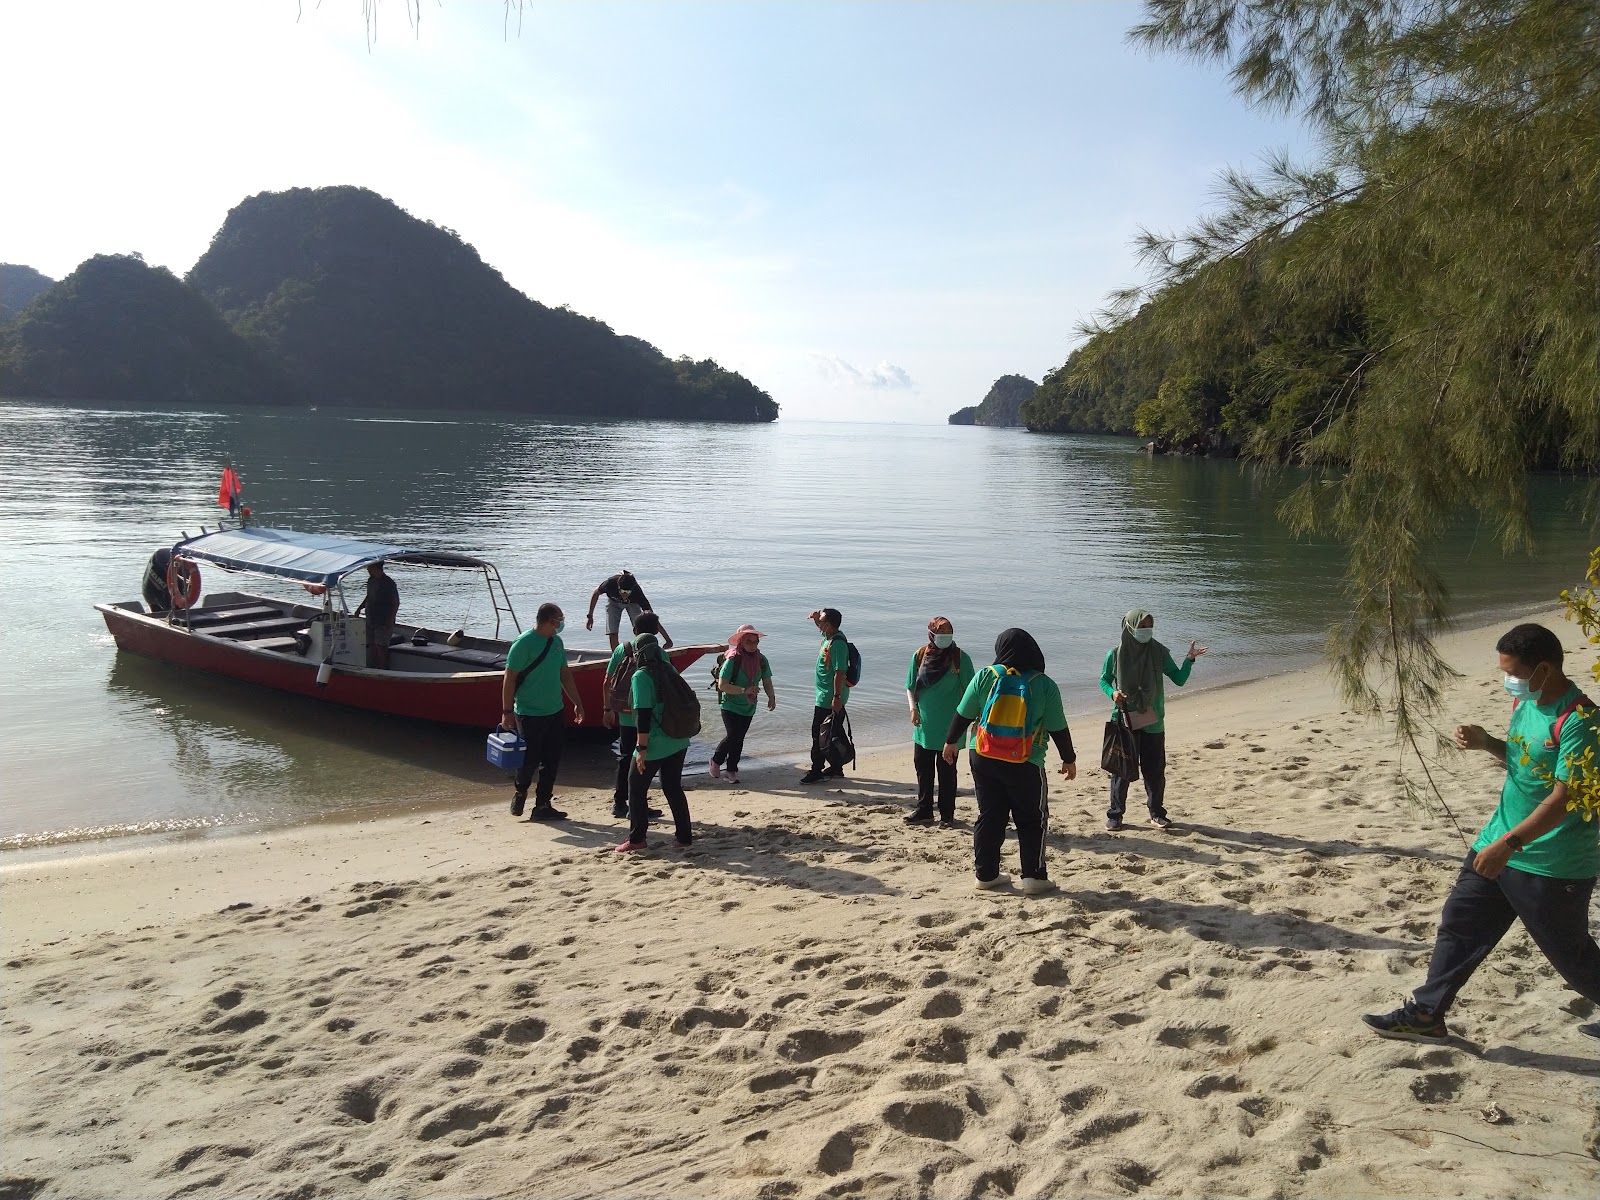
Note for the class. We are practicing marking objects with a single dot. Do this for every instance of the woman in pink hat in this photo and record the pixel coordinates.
(743, 673)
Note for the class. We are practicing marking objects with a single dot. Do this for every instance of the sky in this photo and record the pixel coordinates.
(873, 210)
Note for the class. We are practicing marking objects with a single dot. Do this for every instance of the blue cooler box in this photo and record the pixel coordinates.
(506, 749)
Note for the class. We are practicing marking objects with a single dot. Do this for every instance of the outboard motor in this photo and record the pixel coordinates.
(156, 596)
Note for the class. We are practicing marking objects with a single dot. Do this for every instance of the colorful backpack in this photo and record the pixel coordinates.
(1003, 724)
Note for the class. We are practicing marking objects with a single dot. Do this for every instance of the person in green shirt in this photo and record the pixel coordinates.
(622, 664)
(1536, 860)
(1132, 678)
(1008, 790)
(654, 751)
(833, 688)
(744, 671)
(935, 682)
(536, 677)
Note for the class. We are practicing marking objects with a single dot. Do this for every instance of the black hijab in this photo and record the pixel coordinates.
(1015, 648)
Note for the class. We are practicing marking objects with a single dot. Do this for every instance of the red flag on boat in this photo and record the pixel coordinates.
(231, 489)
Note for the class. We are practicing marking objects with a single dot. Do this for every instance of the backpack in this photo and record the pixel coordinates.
(680, 707)
(619, 683)
(852, 670)
(1003, 725)
(834, 740)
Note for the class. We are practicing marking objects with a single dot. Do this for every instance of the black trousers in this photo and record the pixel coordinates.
(1008, 792)
(819, 759)
(930, 765)
(1479, 911)
(671, 769)
(1152, 769)
(628, 739)
(546, 737)
(735, 726)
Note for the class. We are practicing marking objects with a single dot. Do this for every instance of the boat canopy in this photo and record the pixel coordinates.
(306, 557)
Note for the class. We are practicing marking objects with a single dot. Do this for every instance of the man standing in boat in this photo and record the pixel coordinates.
(536, 677)
(382, 606)
(622, 591)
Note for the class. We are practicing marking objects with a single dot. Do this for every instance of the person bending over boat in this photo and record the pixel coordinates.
(654, 751)
(382, 606)
(622, 591)
(536, 677)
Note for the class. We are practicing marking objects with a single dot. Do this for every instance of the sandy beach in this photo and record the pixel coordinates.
(812, 1001)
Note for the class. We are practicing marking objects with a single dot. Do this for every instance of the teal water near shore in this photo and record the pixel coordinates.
(723, 525)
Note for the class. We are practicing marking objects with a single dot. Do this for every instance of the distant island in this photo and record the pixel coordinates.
(18, 286)
(1001, 407)
(337, 296)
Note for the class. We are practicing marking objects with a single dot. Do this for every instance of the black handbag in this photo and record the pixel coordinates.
(834, 740)
(1119, 753)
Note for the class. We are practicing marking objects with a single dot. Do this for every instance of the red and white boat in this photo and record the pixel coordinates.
(319, 650)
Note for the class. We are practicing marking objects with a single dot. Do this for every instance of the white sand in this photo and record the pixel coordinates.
(812, 1002)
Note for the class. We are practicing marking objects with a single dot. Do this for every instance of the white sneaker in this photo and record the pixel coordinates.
(716, 771)
(1037, 887)
(988, 885)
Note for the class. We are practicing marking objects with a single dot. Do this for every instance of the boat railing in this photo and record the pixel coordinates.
(500, 598)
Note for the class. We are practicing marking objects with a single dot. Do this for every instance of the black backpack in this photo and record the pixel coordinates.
(680, 707)
(619, 683)
(834, 740)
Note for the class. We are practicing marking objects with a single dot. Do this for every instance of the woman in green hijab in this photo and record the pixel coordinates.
(1132, 677)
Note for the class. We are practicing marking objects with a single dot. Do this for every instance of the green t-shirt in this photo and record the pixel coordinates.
(937, 704)
(1045, 714)
(832, 657)
(626, 719)
(1178, 675)
(644, 697)
(540, 693)
(1534, 763)
(731, 672)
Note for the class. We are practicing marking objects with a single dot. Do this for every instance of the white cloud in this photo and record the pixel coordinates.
(886, 376)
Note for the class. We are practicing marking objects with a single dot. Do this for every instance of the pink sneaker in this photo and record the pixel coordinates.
(631, 847)
(716, 771)
(733, 779)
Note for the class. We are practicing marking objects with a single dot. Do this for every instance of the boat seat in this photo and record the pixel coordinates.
(245, 630)
(286, 644)
(483, 659)
(232, 612)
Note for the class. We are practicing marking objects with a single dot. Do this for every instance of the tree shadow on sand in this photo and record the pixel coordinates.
(1256, 839)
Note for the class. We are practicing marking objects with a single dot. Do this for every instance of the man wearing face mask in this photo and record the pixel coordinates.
(536, 678)
(1132, 678)
(833, 688)
(935, 682)
(1534, 861)
(623, 594)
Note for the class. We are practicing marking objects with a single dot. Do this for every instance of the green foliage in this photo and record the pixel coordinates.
(116, 329)
(18, 286)
(964, 416)
(1000, 407)
(366, 305)
(1583, 607)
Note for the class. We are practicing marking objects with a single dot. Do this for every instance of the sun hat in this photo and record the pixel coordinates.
(743, 632)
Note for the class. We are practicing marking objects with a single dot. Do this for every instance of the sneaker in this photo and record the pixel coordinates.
(716, 769)
(518, 802)
(1161, 822)
(544, 812)
(732, 777)
(653, 813)
(812, 776)
(988, 885)
(619, 808)
(833, 773)
(949, 823)
(920, 817)
(1113, 825)
(1407, 1024)
(681, 844)
(631, 847)
(1036, 887)
(1592, 1029)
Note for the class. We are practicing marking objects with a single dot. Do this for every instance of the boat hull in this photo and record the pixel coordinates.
(467, 698)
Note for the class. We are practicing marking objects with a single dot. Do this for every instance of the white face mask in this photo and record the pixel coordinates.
(1143, 634)
(944, 641)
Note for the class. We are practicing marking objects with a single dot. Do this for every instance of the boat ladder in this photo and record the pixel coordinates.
(500, 598)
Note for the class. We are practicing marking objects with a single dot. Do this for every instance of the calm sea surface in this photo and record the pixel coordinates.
(723, 524)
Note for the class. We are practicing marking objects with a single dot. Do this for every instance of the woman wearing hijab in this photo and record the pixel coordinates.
(654, 751)
(1009, 789)
(743, 673)
(1132, 678)
(935, 683)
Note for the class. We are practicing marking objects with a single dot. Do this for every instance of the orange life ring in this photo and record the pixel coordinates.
(184, 587)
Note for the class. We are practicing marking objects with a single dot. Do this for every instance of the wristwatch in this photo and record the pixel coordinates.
(1514, 842)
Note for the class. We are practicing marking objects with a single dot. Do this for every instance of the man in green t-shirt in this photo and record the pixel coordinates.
(624, 663)
(536, 678)
(1535, 860)
(833, 688)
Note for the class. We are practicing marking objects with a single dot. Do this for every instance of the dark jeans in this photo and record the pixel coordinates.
(732, 744)
(1152, 769)
(930, 764)
(819, 759)
(378, 636)
(671, 769)
(628, 739)
(1008, 792)
(546, 736)
(1479, 911)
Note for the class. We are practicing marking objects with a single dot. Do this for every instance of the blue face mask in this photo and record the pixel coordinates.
(1143, 634)
(944, 641)
(1519, 689)
(560, 625)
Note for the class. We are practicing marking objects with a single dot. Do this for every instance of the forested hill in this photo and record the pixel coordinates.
(118, 329)
(364, 304)
(18, 286)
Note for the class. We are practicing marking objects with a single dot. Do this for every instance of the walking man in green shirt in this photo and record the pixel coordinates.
(833, 688)
(1535, 860)
(536, 677)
